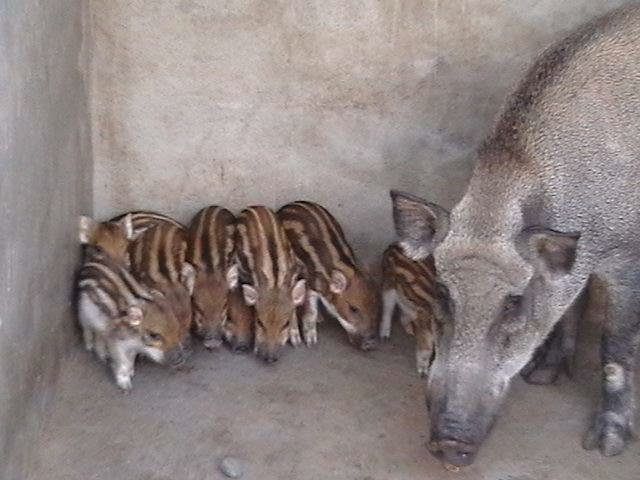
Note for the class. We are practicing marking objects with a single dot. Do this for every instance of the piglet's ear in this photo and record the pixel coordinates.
(409, 327)
(188, 277)
(232, 276)
(250, 295)
(299, 292)
(134, 316)
(86, 227)
(339, 282)
(420, 225)
(550, 251)
(126, 224)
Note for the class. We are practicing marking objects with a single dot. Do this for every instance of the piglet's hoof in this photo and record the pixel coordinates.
(294, 337)
(124, 382)
(212, 343)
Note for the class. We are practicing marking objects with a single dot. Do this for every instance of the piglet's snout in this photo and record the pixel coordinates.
(178, 356)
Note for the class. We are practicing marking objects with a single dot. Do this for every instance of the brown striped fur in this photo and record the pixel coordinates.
(270, 276)
(158, 259)
(238, 329)
(410, 285)
(121, 318)
(210, 251)
(333, 274)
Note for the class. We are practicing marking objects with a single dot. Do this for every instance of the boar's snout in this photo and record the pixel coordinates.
(454, 452)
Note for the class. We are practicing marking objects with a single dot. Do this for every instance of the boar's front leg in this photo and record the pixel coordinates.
(612, 427)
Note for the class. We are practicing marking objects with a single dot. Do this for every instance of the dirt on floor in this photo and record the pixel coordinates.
(329, 412)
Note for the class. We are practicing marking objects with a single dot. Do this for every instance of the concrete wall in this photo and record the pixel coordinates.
(45, 169)
(267, 101)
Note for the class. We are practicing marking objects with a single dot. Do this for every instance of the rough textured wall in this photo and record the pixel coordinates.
(45, 179)
(267, 101)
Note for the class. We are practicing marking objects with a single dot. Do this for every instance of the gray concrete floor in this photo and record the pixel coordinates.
(325, 413)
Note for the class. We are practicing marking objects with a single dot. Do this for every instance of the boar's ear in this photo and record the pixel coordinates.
(126, 224)
(421, 225)
(232, 276)
(298, 292)
(339, 282)
(552, 251)
(250, 294)
(188, 277)
(86, 227)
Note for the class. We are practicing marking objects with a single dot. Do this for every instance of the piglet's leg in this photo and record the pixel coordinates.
(310, 319)
(556, 354)
(87, 335)
(123, 360)
(424, 342)
(389, 301)
(294, 331)
(101, 347)
(612, 427)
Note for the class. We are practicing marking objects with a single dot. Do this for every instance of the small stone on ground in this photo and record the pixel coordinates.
(231, 467)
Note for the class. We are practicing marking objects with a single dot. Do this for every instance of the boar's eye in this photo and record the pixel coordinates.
(285, 326)
(512, 306)
(353, 309)
(259, 323)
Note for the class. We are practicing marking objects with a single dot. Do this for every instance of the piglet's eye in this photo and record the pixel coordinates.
(259, 323)
(443, 291)
(154, 336)
(354, 309)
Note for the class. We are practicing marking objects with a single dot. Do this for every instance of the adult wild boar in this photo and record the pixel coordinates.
(553, 203)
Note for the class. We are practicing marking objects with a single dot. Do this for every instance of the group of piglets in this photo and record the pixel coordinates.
(256, 281)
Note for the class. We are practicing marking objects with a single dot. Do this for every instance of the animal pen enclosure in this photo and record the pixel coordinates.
(119, 105)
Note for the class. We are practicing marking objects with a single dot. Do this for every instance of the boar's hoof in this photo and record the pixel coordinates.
(608, 434)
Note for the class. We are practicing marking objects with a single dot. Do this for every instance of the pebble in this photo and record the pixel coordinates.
(451, 468)
(231, 467)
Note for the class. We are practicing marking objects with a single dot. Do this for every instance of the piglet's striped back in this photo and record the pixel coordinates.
(159, 254)
(263, 249)
(318, 241)
(211, 239)
(108, 284)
